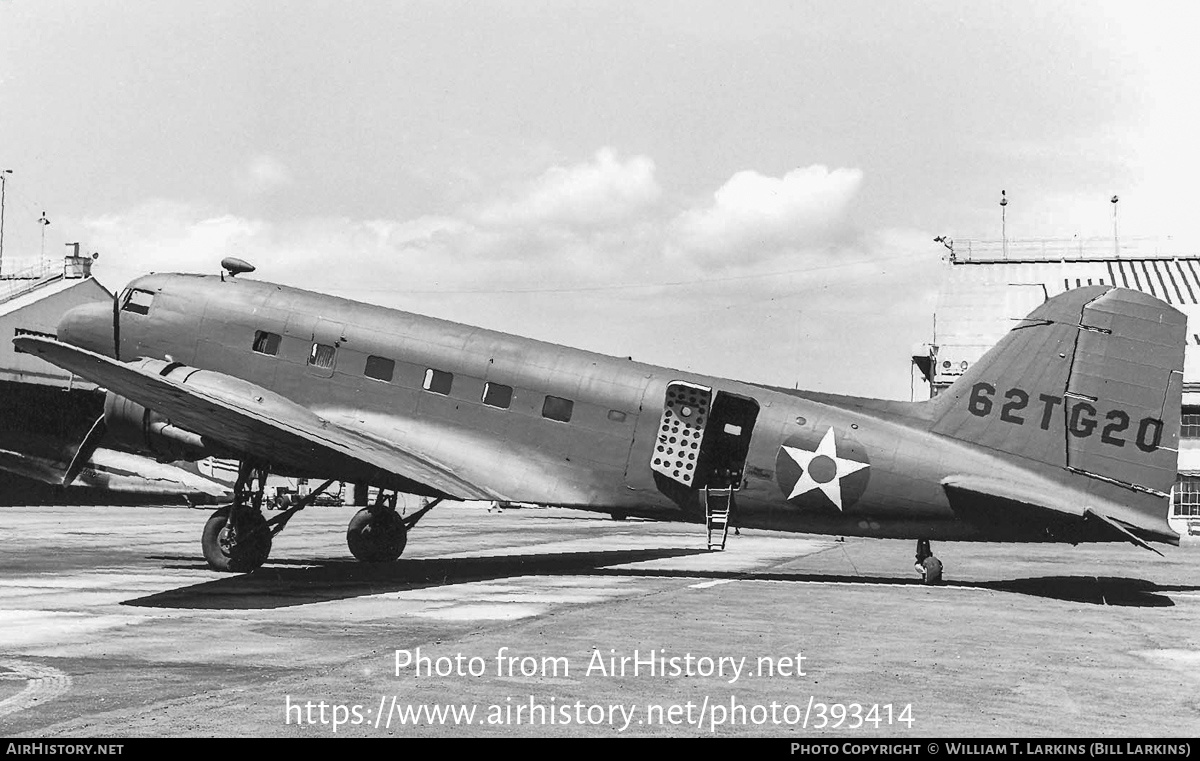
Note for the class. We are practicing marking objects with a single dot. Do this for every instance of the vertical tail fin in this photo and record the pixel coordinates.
(1091, 381)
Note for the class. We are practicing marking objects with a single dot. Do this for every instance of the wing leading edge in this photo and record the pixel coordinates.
(253, 420)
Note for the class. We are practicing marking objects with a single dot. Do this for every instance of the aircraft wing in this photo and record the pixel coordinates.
(253, 420)
(1010, 505)
(33, 468)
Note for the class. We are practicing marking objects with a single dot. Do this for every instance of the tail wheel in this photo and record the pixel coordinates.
(931, 570)
(376, 535)
(241, 551)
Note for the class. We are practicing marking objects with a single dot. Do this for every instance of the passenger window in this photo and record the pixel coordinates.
(497, 395)
(266, 343)
(138, 301)
(438, 382)
(556, 408)
(380, 368)
(322, 356)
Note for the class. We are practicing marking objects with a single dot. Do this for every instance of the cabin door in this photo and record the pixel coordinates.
(726, 442)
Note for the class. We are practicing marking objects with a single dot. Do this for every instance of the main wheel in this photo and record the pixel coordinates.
(376, 536)
(244, 552)
(932, 573)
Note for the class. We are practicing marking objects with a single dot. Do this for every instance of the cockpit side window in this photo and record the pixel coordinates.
(137, 301)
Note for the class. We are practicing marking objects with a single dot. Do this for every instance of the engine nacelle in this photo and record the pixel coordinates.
(148, 432)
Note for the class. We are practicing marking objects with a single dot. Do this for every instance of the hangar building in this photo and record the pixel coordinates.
(987, 285)
(43, 409)
(32, 301)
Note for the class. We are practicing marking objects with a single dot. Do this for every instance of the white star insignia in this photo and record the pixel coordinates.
(842, 468)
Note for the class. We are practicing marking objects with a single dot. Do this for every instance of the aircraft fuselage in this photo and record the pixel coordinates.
(548, 424)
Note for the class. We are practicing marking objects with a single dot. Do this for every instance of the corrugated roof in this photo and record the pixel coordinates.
(978, 302)
(1175, 281)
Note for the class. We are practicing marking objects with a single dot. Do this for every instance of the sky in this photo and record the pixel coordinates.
(748, 190)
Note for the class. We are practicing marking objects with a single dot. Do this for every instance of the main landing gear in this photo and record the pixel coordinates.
(378, 534)
(929, 567)
(237, 537)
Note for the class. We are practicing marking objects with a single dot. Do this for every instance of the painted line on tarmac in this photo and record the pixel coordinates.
(44, 683)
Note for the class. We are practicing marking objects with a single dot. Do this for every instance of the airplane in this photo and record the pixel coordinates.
(1066, 431)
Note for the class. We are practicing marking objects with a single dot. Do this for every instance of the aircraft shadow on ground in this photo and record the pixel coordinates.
(286, 583)
(1095, 590)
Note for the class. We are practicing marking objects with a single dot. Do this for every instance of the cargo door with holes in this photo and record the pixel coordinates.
(676, 452)
(702, 438)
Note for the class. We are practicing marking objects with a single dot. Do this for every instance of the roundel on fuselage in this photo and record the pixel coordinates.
(822, 469)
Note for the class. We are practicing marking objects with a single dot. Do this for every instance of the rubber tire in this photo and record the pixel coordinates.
(376, 536)
(933, 571)
(248, 554)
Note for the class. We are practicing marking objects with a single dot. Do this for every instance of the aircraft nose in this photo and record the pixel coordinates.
(89, 326)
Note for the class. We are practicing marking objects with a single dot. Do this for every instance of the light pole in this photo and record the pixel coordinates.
(3, 187)
(44, 222)
(1116, 240)
(1003, 225)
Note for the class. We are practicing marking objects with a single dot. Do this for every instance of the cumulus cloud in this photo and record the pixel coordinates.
(582, 245)
(600, 191)
(431, 252)
(177, 237)
(594, 223)
(262, 175)
(166, 235)
(752, 212)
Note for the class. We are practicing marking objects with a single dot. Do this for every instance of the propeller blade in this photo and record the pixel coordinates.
(87, 448)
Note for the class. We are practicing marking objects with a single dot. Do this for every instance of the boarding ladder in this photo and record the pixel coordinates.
(718, 504)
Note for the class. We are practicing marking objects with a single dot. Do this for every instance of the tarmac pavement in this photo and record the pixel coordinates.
(546, 622)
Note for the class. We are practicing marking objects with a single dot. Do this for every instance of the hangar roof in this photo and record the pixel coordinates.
(981, 296)
(44, 290)
(36, 306)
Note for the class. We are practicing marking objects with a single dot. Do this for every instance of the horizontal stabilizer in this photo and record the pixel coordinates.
(1045, 511)
(1124, 531)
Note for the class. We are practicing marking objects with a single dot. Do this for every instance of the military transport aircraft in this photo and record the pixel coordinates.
(1066, 431)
